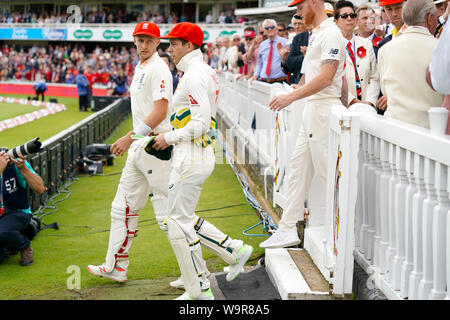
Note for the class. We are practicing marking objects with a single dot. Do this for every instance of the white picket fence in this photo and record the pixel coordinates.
(388, 210)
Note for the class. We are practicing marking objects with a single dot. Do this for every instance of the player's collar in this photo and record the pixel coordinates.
(186, 61)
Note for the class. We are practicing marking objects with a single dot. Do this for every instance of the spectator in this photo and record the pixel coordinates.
(361, 66)
(249, 36)
(365, 21)
(233, 54)
(222, 17)
(83, 91)
(297, 51)
(120, 84)
(209, 18)
(442, 13)
(393, 9)
(40, 89)
(281, 30)
(223, 65)
(268, 68)
(251, 55)
(386, 27)
(403, 63)
(329, 9)
(15, 212)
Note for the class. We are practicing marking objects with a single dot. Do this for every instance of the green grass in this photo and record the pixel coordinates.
(45, 127)
(82, 239)
(12, 110)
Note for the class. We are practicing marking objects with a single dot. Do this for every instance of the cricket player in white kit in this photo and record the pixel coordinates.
(151, 100)
(151, 96)
(322, 88)
(193, 160)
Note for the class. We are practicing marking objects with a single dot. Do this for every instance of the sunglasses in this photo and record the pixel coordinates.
(236, 39)
(281, 30)
(296, 16)
(248, 39)
(269, 27)
(346, 15)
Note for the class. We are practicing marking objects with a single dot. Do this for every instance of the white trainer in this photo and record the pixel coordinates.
(117, 274)
(178, 284)
(281, 239)
(242, 255)
(205, 295)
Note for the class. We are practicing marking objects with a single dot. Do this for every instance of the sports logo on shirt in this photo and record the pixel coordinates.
(333, 53)
(162, 87)
(193, 102)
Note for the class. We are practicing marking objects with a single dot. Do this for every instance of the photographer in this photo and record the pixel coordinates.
(15, 212)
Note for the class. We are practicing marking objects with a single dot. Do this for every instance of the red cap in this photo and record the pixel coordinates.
(147, 28)
(383, 3)
(250, 34)
(187, 31)
(294, 3)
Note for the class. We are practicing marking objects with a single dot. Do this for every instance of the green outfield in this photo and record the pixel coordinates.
(11, 110)
(44, 127)
(61, 256)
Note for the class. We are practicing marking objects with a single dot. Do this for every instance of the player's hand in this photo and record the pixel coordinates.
(280, 102)
(382, 103)
(119, 147)
(4, 160)
(160, 142)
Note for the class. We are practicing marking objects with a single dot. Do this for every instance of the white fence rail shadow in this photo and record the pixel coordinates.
(387, 201)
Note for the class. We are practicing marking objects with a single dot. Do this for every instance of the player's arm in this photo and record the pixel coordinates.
(317, 84)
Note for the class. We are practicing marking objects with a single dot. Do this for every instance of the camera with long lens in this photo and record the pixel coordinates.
(30, 147)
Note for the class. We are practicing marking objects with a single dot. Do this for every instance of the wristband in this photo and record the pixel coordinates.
(143, 129)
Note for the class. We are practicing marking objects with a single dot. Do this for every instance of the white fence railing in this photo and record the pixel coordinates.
(390, 208)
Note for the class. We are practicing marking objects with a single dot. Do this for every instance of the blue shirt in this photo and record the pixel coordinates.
(13, 189)
(263, 56)
(82, 85)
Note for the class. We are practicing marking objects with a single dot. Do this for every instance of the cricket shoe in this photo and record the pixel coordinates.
(177, 284)
(242, 255)
(205, 295)
(117, 274)
(281, 239)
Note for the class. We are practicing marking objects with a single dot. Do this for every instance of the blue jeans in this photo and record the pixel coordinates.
(11, 226)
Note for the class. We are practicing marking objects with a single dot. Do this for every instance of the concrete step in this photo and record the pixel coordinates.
(295, 276)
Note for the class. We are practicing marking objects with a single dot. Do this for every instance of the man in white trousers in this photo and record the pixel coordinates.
(193, 160)
(322, 88)
(151, 97)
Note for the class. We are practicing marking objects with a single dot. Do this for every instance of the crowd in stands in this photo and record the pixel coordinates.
(111, 67)
(117, 16)
(391, 80)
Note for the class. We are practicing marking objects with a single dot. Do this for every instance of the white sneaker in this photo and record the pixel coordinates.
(178, 284)
(117, 274)
(205, 295)
(242, 256)
(281, 239)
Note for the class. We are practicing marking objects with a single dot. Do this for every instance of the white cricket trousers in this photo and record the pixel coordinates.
(191, 166)
(142, 176)
(308, 158)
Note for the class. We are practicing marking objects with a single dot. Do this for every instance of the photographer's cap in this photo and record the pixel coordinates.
(187, 31)
(147, 28)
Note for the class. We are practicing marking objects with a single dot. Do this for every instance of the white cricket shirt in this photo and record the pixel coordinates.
(152, 81)
(326, 43)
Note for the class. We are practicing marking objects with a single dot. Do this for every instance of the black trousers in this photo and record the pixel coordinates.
(11, 226)
(83, 102)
